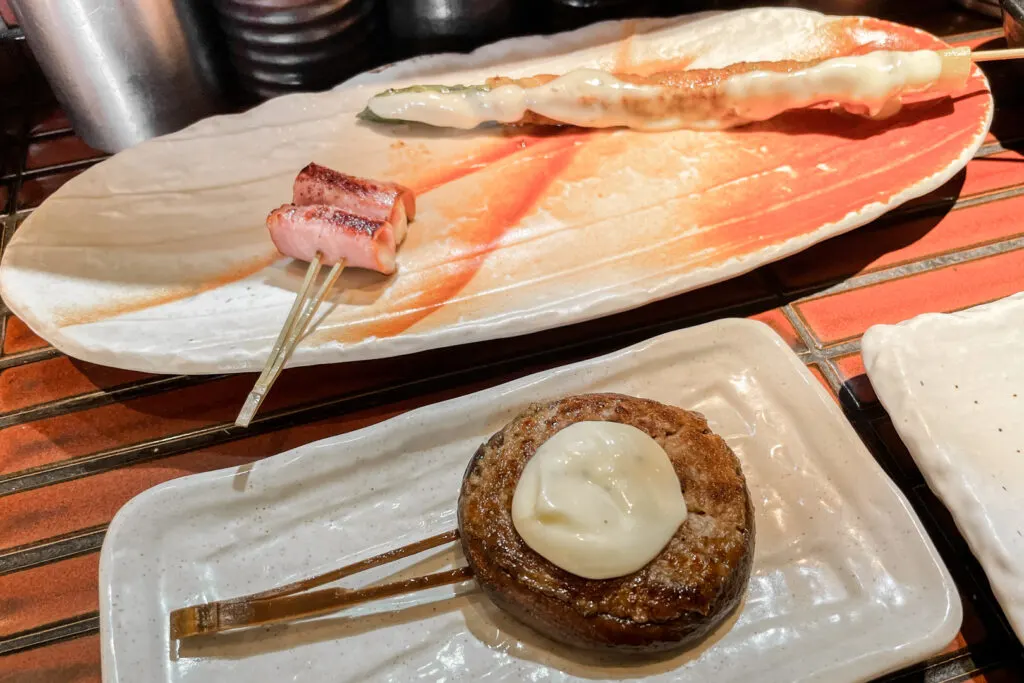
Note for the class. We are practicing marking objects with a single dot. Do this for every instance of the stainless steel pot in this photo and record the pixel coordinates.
(281, 46)
(1013, 22)
(448, 25)
(125, 71)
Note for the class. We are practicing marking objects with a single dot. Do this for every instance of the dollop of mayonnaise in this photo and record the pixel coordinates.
(599, 500)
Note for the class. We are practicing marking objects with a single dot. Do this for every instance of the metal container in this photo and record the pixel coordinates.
(126, 70)
(281, 46)
(1013, 22)
(420, 26)
(570, 14)
(989, 7)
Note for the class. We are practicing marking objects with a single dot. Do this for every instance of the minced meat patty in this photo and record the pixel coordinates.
(675, 600)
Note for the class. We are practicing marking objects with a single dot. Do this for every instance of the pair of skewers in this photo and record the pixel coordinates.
(318, 183)
(295, 327)
(292, 601)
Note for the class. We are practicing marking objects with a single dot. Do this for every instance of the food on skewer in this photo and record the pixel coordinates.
(303, 231)
(871, 84)
(361, 222)
(603, 521)
(372, 199)
(338, 220)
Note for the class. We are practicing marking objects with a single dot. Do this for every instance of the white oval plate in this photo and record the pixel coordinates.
(845, 586)
(158, 259)
(954, 386)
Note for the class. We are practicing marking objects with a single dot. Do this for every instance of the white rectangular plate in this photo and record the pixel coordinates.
(954, 386)
(845, 586)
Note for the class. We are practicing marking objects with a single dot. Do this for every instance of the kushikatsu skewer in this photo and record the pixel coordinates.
(292, 601)
(334, 219)
(870, 84)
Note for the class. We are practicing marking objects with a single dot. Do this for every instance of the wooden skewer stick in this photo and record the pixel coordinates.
(283, 604)
(349, 570)
(998, 55)
(218, 617)
(294, 328)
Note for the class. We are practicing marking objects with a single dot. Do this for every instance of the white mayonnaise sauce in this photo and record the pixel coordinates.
(869, 84)
(460, 109)
(584, 97)
(599, 500)
(595, 99)
(870, 81)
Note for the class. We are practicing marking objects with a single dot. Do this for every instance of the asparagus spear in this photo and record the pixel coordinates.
(368, 115)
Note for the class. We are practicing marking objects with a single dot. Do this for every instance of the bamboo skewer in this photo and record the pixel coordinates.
(285, 604)
(295, 326)
(230, 616)
(998, 55)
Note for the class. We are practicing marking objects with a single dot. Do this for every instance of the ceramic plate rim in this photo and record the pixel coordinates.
(888, 342)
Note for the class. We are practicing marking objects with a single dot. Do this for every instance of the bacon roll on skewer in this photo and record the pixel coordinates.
(373, 199)
(359, 242)
(337, 220)
(356, 220)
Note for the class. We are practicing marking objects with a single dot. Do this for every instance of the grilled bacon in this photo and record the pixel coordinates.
(343, 217)
(374, 199)
(302, 231)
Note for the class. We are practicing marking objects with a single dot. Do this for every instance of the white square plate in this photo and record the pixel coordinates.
(954, 386)
(845, 586)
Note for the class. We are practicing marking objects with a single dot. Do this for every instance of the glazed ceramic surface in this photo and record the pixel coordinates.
(845, 584)
(954, 386)
(158, 259)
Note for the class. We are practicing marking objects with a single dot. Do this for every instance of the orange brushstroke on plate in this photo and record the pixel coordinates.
(240, 272)
(624, 49)
(429, 179)
(768, 209)
(513, 190)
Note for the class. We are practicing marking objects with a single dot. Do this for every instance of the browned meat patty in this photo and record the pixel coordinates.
(674, 601)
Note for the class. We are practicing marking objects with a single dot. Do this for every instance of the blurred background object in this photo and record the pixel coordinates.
(569, 14)
(421, 26)
(989, 7)
(282, 46)
(1013, 22)
(125, 71)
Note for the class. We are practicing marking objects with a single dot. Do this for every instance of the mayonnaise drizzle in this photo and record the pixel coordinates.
(870, 84)
(599, 500)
